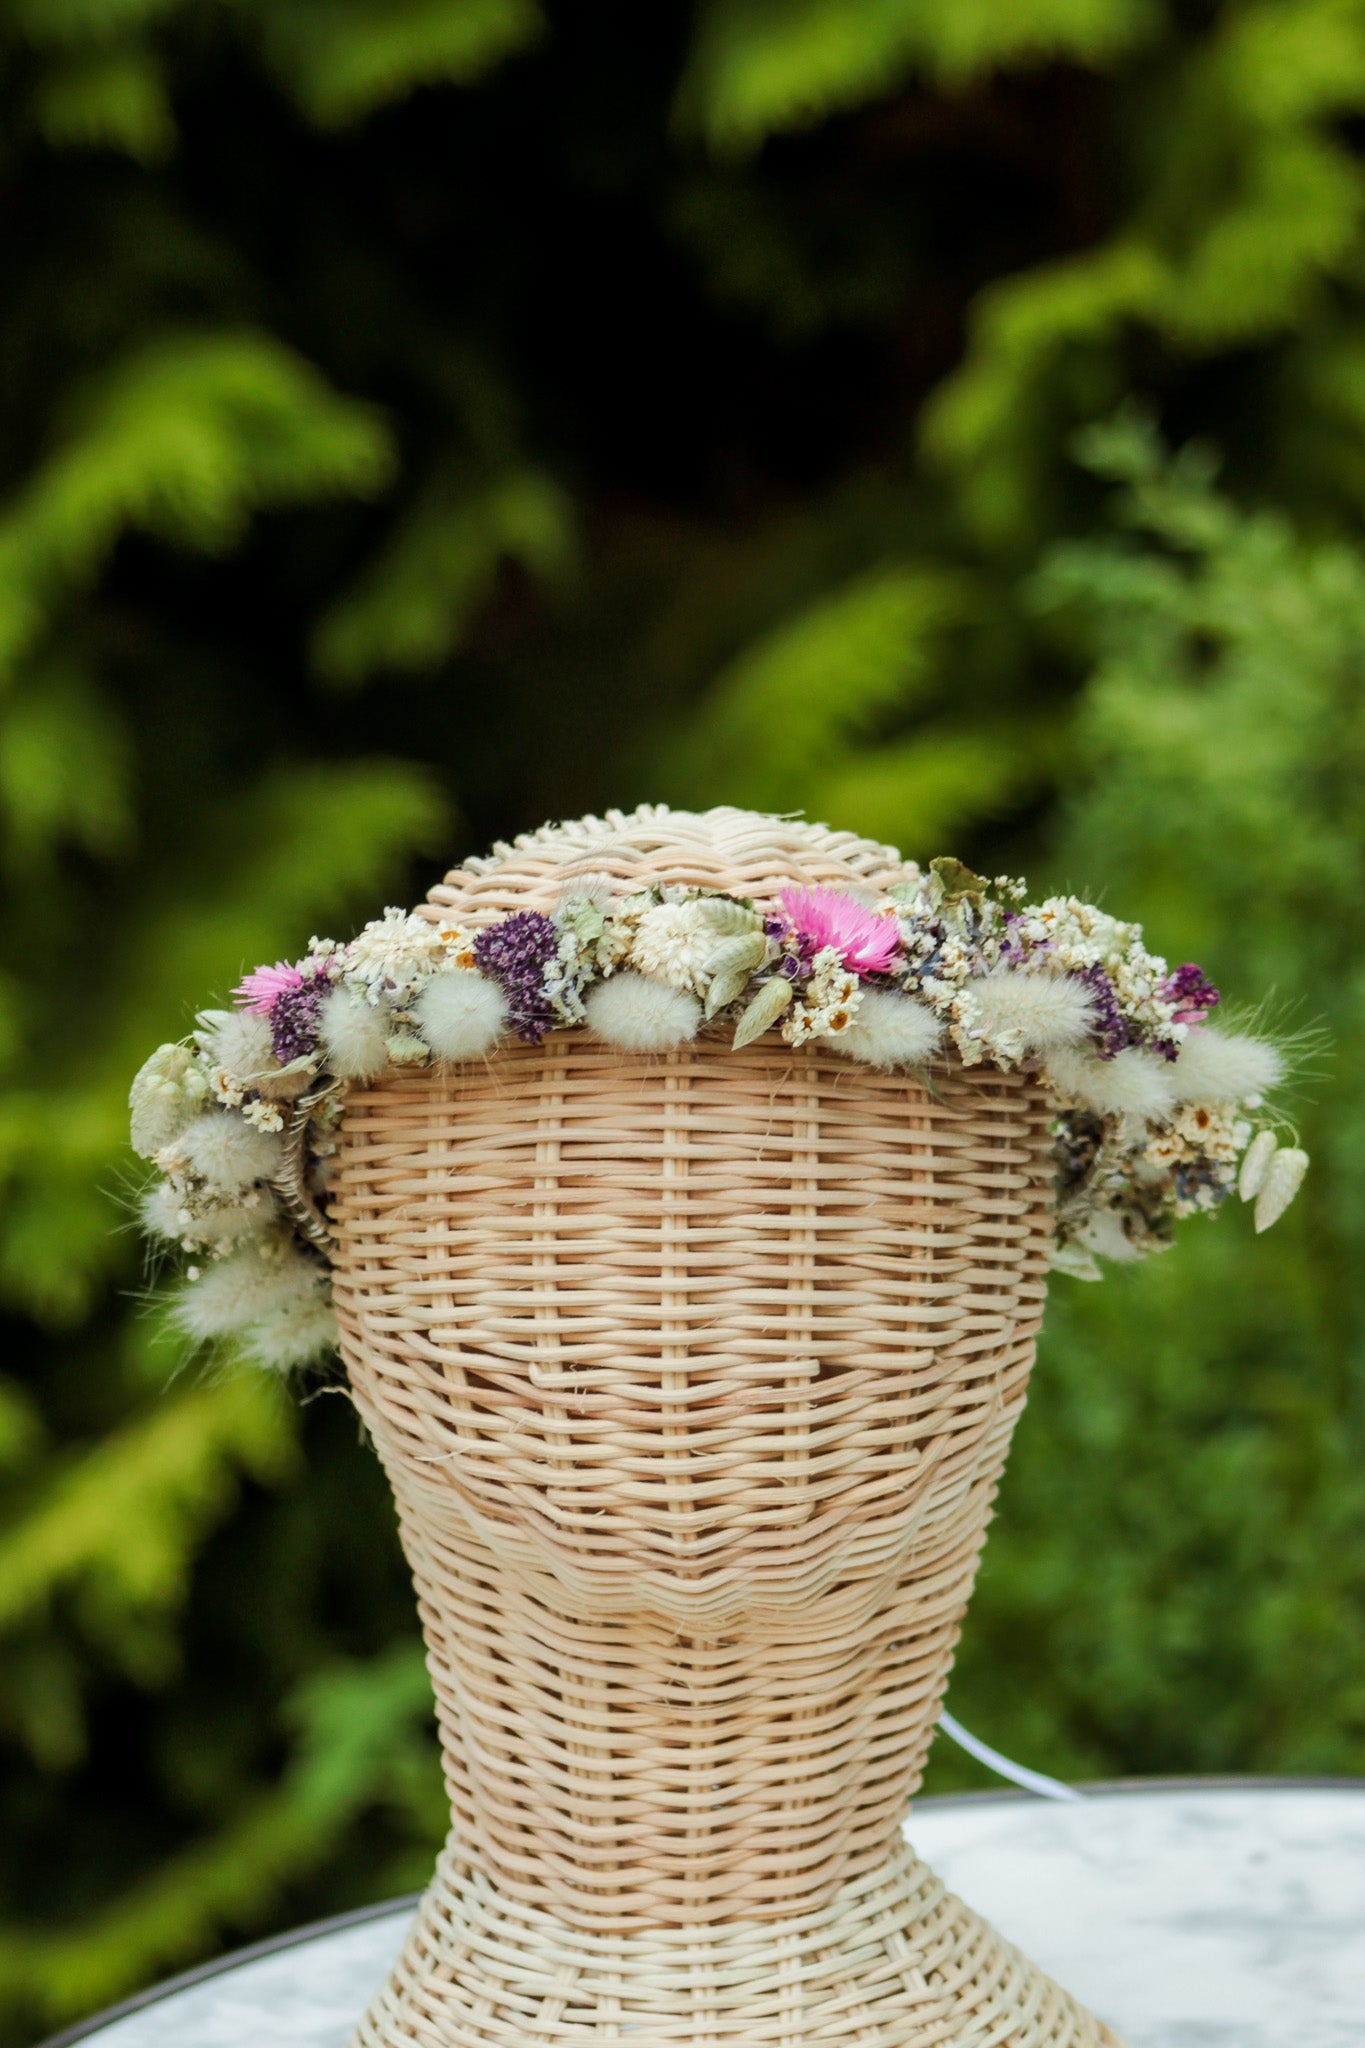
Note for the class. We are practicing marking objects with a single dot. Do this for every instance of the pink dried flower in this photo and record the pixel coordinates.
(866, 941)
(260, 990)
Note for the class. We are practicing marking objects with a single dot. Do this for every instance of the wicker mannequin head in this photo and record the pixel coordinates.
(693, 1374)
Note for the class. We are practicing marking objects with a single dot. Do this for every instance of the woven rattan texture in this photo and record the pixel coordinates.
(693, 1376)
(724, 848)
(893, 1960)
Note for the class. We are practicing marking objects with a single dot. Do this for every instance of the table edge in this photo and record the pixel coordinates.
(405, 1902)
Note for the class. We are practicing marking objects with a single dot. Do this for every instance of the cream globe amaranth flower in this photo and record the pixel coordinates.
(675, 943)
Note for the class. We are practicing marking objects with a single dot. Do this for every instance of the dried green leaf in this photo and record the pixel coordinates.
(905, 894)
(731, 966)
(730, 915)
(952, 880)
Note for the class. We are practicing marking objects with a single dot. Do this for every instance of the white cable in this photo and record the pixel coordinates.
(1003, 1766)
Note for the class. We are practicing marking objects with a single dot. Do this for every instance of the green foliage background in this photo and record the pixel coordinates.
(421, 417)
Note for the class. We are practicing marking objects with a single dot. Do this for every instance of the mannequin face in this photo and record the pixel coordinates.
(672, 1335)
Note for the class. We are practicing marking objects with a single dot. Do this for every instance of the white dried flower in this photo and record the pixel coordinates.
(353, 1036)
(891, 1031)
(396, 952)
(563, 976)
(1283, 1179)
(1224, 1066)
(641, 1015)
(1132, 1083)
(618, 934)
(1079, 937)
(265, 1116)
(1259, 1154)
(829, 1004)
(1020, 1011)
(456, 943)
(1205, 1131)
(461, 1015)
(226, 1092)
(228, 1153)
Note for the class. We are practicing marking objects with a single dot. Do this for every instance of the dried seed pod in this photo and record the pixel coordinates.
(1255, 1161)
(767, 1006)
(1284, 1176)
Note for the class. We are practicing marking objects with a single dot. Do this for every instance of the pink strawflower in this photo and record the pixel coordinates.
(261, 990)
(865, 940)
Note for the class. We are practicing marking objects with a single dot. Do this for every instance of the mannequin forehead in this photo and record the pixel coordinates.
(744, 852)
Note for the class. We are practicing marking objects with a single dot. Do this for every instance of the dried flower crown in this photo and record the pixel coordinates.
(1159, 1115)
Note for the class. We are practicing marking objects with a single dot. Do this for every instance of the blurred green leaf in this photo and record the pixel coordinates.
(414, 605)
(184, 439)
(362, 1728)
(108, 99)
(342, 59)
(80, 21)
(64, 768)
(927, 793)
(761, 66)
(777, 716)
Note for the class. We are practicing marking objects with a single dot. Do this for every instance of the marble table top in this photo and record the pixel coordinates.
(1189, 1915)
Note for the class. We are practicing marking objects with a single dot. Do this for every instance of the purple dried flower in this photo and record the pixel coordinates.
(1190, 989)
(294, 1020)
(1110, 1031)
(1012, 946)
(798, 948)
(515, 953)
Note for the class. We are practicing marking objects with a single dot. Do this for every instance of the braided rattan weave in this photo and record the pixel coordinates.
(694, 1376)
